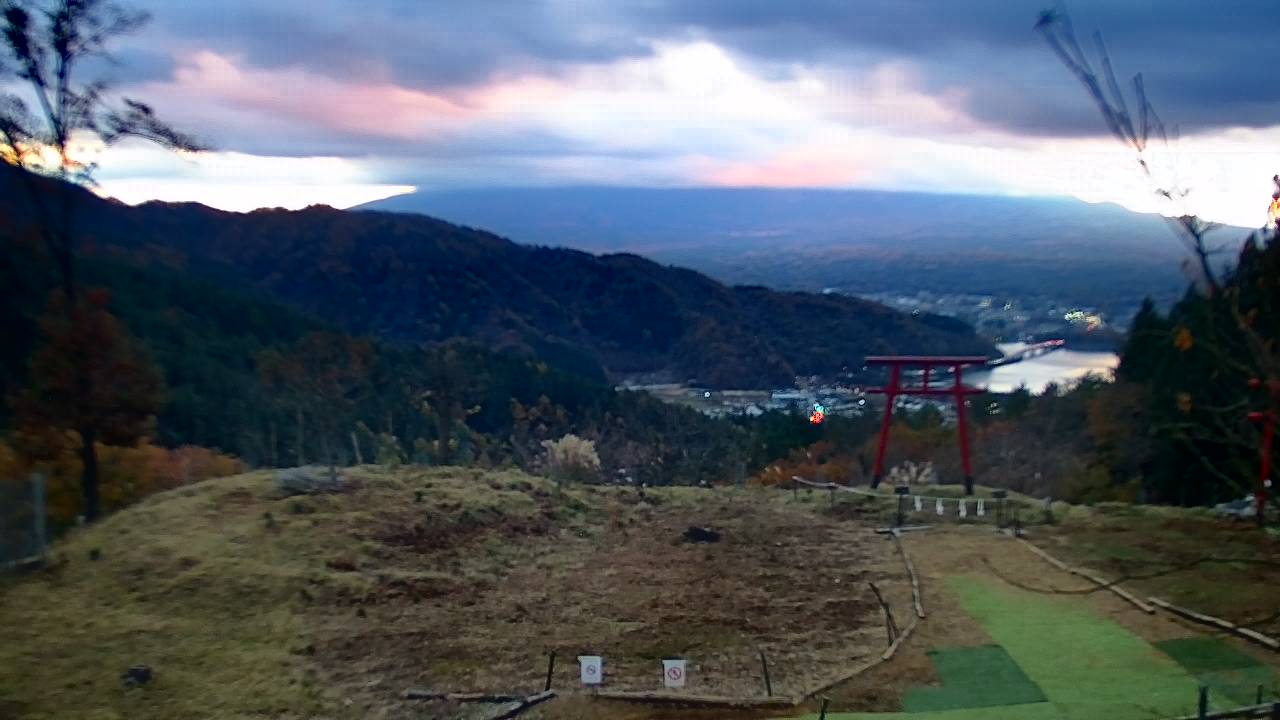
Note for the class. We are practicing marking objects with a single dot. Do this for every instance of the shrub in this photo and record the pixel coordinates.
(572, 459)
(388, 450)
(818, 463)
(128, 474)
(909, 473)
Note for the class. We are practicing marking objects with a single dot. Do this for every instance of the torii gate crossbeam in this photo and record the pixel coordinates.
(957, 390)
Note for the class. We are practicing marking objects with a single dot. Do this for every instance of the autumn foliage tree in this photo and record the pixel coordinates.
(92, 378)
(42, 46)
(1196, 364)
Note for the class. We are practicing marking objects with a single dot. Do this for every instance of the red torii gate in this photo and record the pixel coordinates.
(1268, 421)
(957, 390)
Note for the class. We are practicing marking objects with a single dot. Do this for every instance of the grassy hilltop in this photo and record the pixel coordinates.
(248, 603)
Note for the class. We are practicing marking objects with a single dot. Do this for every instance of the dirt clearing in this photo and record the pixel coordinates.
(609, 572)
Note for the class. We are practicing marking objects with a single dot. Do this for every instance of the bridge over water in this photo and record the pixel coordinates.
(1029, 351)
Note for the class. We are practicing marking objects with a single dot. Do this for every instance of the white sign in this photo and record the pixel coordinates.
(673, 673)
(592, 669)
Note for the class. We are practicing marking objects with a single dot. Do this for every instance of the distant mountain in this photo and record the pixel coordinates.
(856, 240)
(420, 279)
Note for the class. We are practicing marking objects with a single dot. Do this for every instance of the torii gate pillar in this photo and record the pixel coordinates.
(957, 390)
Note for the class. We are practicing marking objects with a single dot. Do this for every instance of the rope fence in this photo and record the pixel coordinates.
(1000, 509)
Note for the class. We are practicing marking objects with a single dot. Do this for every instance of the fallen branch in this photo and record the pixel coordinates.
(897, 642)
(812, 484)
(845, 677)
(911, 570)
(893, 649)
(413, 694)
(524, 704)
(884, 657)
(1101, 583)
(705, 700)
(1251, 635)
(903, 529)
(890, 625)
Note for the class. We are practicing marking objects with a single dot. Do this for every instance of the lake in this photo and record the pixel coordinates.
(1059, 366)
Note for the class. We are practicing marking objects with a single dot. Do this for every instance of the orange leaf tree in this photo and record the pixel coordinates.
(91, 378)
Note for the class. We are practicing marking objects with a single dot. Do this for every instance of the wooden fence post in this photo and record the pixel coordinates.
(1000, 495)
(551, 668)
(768, 684)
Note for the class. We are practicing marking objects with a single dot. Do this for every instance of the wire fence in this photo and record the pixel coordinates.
(23, 516)
(905, 505)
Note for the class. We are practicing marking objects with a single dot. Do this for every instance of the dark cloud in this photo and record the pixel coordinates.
(1207, 65)
(418, 45)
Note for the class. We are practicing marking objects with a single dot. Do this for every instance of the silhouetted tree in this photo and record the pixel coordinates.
(1197, 363)
(43, 46)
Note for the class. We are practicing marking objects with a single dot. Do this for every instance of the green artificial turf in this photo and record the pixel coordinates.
(1088, 667)
(973, 677)
(1229, 673)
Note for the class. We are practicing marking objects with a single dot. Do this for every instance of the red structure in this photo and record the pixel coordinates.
(957, 389)
(1268, 422)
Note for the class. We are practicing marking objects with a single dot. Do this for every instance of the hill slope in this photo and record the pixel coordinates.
(420, 279)
(246, 603)
(855, 240)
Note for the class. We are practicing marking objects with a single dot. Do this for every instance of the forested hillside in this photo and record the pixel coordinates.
(276, 387)
(1188, 375)
(415, 278)
(321, 336)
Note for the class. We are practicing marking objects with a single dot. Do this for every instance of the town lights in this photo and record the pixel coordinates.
(818, 415)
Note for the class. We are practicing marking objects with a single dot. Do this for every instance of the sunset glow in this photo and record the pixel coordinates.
(689, 104)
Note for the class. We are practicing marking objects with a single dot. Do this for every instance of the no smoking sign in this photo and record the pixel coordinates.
(591, 669)
(673, 674)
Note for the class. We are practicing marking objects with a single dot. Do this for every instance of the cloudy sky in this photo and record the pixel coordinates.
(340, 102)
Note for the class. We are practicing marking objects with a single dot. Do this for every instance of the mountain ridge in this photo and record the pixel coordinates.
(421, 279)
(855, 241)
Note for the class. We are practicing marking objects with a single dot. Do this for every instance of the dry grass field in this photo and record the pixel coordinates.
(250, 604)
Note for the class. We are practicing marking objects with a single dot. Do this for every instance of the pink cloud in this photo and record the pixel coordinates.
(379, 110)
(797, 167)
